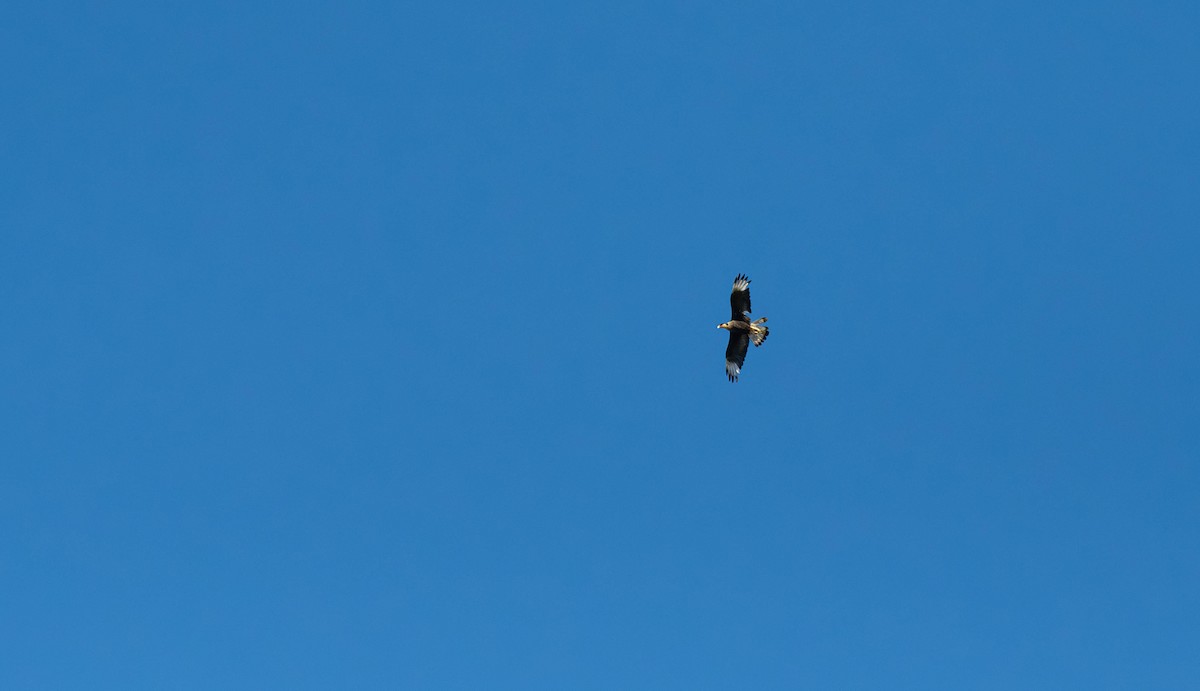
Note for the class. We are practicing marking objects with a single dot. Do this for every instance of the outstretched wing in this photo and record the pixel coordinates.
(739, 299)
(735, 354)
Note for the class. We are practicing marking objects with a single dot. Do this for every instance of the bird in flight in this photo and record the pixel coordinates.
(741, 329)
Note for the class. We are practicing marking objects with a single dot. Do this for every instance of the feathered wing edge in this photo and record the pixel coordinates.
(739, 298)
(735, 353)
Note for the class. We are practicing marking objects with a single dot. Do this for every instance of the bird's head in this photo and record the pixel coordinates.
(723, 326)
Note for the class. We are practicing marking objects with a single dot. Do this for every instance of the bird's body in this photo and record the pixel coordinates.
(741, 330)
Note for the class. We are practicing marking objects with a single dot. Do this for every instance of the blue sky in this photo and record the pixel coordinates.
(371, 345)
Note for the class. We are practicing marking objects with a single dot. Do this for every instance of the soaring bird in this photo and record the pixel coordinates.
(741, 329)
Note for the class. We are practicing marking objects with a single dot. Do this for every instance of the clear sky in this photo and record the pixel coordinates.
(372, 345)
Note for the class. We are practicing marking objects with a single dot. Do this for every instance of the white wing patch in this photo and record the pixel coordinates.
(732, 370)
(741, 284)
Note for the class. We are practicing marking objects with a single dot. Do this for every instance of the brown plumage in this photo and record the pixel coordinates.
(741, 330)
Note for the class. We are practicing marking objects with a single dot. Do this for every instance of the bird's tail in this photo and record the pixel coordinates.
(758, 334)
